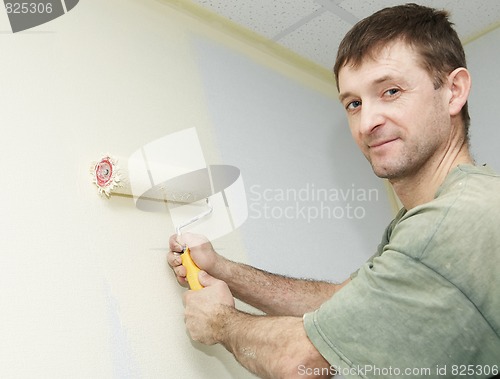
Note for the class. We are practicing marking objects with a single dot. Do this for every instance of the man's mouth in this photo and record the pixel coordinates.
(381, 143)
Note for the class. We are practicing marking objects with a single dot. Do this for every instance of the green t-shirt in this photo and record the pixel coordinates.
(427, 304)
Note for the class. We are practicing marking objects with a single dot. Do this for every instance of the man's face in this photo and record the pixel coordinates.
(397, 118)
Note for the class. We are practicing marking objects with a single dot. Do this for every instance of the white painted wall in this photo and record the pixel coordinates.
(85, 291)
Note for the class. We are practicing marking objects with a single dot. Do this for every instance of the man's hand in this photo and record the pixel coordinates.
(201, 250)
(205, 309)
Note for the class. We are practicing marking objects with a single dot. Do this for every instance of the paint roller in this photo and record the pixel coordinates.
(160, 175)
(111, 178)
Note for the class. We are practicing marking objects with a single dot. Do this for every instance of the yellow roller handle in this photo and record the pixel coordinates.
(192, 270)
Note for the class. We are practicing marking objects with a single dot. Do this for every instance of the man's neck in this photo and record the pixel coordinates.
(421, 187)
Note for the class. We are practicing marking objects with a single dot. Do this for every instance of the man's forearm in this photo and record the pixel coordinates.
(270, 347)
(274, 294)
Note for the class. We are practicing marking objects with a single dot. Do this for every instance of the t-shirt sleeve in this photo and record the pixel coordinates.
(383, 242)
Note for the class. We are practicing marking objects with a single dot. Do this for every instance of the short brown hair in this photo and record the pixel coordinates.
(427, 30)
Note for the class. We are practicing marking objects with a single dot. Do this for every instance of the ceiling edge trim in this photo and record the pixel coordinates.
(484, 32)
(252, 38)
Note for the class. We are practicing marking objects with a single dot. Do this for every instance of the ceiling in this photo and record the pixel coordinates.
(313, 29)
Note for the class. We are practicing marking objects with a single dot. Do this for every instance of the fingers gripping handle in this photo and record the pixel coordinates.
(192, 270)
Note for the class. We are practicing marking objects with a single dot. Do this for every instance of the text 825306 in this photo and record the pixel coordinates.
(26, 8)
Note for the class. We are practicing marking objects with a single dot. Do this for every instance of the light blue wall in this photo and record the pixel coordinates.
(483, 57)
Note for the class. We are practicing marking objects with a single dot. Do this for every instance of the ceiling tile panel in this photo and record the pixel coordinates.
(265, 17)
(314, 28)
(318, 39)
(472, 18)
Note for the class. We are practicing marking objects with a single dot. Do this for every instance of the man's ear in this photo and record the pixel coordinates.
(459, 82)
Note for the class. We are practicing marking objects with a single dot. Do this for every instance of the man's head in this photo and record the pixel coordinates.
(425, 30)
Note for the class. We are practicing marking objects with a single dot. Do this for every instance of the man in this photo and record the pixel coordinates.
(428, 302)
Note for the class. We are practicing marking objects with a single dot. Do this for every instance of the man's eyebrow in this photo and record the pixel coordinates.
(345, 95)
(383, 79)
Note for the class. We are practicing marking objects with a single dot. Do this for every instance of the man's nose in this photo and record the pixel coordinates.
(371, 118)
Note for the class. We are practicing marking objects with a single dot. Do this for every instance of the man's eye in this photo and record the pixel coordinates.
(353, 105)
(392, 91)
